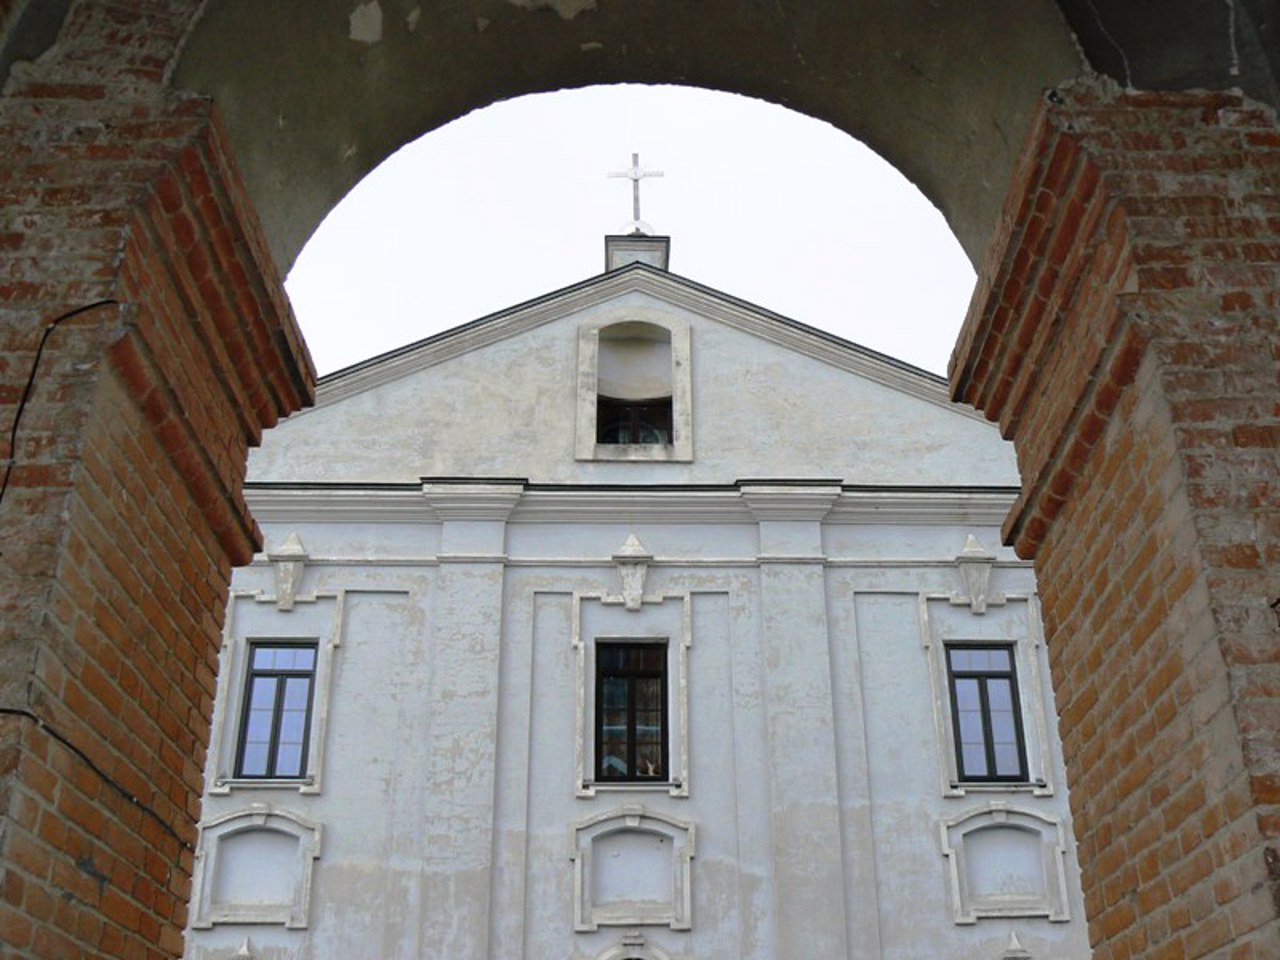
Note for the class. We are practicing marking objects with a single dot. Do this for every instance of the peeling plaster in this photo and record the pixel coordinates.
(590, 45)
(366, 23)
(568, 9)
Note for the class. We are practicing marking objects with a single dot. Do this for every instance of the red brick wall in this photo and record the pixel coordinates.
(1125, 337)
(124, 671)
(123, 514)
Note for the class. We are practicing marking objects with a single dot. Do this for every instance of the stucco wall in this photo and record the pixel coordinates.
(802, 574)
(759, 409)
(425, 820)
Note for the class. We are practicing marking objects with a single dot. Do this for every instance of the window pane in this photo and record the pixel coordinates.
(1008, 762)
(974, 760)
(999, 694)
(967, 695)
(649, 760)
(971, 727)
(304, 658)
(289, 760)
(652, 658)
(613, 758)
(297, 691)
(631, 721)
(258, 727)
(254, 763)
(613, 716)
(293, 726)
(651, 433)
(988, 735)
(649, 694)
(262, 695)
(618, 431)
(633, 421)
(614, 693)
(1003, 729)
(275, 719)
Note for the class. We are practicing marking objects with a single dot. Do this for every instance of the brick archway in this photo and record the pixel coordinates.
(1124, 335)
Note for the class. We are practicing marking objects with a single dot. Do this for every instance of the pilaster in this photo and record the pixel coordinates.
(460, 733)
(804, 792)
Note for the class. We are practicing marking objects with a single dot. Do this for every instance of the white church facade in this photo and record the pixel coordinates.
(634, 623)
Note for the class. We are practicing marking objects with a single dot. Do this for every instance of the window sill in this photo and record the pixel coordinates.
(643, 452)
(960, 788)
(301, 784)
(674, 788)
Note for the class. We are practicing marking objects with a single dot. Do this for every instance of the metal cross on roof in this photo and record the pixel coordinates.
(635, 175)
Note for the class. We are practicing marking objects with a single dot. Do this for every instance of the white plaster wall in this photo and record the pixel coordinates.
(759, 410)
(451, 779)
(395, 879)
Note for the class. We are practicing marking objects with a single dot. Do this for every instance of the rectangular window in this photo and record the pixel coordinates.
(985, 714)
(276, 723)
(631, 712)
(633, 421)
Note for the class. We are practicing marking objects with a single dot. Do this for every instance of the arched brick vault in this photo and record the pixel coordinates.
(1124, 335)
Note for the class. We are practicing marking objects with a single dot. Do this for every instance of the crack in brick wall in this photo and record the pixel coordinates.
(124, 513)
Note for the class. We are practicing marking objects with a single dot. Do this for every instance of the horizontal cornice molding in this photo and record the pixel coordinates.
(790, 501)
(472, 501)
(986, 506)
(520, 503)
(280, 503)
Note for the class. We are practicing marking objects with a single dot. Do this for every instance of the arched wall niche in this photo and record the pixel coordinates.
(946, 97)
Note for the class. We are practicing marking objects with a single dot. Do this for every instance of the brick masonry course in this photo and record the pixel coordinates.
(1124, 336)
(123, 513)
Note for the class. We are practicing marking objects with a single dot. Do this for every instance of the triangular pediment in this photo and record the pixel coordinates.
(753, 394)
(667, 288)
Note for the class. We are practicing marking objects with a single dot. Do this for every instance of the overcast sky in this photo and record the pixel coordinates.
(513, 201)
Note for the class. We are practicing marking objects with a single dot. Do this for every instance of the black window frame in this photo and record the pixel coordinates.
(603, 775)
(983, 678)
(273, 748)
(635, 416)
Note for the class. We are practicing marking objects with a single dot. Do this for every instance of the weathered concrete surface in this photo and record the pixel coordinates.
(802, 622)
(318, 92)
(315, 95)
